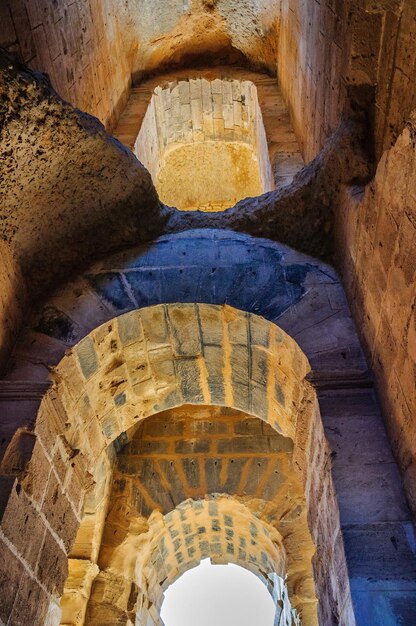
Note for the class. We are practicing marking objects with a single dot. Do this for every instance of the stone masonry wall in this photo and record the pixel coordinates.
(311, 61)
(335, 45)
(218, 527)
(149, 360)
(46, 471)
(282, 146)
(310, 306)
(190, 452)
(377, 237)
(186, 113)
(91, 48)
(84, 46)
(40, 513)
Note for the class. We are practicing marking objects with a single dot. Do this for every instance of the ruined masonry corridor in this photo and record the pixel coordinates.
(207, 308)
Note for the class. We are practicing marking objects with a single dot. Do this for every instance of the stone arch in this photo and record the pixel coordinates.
(170, 459)
(295, 306)
(207, 266)
(218, 527)
(164, 356)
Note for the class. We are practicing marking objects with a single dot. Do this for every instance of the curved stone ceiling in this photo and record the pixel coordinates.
(171, 32)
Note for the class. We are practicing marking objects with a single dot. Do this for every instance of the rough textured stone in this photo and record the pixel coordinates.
(377, 238)
(223, 528)
(117, 185)
(308, 302)
(72, 152)
(73, 195)
(156, 105)
(163, 334)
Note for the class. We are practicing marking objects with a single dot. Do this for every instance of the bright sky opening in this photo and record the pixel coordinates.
(218, 595)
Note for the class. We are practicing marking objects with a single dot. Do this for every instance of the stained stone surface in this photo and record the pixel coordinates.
(300, 294)
(63, 177)
(219, 104)
(380, 280)
(177, 455)
(100, 187)
(220, 527)
(112, 42)
(311, 306)
(346, 73)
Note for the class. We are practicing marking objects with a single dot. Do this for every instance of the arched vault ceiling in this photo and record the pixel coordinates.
(170, 32)
(207, 266)
(70, 193)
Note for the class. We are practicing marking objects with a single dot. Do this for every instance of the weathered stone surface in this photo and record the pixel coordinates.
(346, 44)
(310, 199)
(115, 185)
(84, 179)
(341, 43)
(308, 301)
(200, 437)
(373, 512)
(347, 75)
(250, 100)
(377, 239)
(226, 529)
(95, 392)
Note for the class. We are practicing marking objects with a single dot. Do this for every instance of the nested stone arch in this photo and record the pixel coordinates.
(158, 358)
(167, 356)
(164, 356)
(219, 527)
(135, 366)
(158, 469)
(302, 295)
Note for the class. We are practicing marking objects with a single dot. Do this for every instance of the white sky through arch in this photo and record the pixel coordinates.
(218, 595)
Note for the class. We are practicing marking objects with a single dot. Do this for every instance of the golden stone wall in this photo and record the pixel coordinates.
(81, 45)
(129, 369)
(92, 49)
(263, 120)
(378, 238)
(336, 48)
(203, 141)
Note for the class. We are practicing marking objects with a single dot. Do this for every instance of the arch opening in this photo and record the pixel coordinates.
(182, 453)
(226, 595)
(204, 143)
(220, 528)
(141, 364)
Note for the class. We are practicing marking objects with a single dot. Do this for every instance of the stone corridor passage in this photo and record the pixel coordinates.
(207, 306)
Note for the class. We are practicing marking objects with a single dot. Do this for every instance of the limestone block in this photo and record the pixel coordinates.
(17, 517)
(18, 453)
(196, 116)
(31, 601)
(52, 567)
(59, 512)
(184, 330)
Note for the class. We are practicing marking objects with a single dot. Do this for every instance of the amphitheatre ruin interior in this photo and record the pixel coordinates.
(207, 306)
